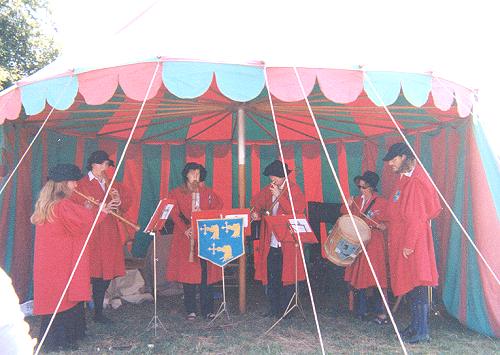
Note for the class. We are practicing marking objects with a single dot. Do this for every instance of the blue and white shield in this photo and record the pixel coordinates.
(220, 240)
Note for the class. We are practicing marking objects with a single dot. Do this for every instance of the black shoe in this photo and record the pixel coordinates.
(101, 318)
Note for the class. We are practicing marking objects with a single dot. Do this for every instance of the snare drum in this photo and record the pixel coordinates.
(342, 245)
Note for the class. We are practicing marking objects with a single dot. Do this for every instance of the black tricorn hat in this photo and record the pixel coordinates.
(98, 157)
(65, 172)
(398, 149)
(370, 177)
(276, 169)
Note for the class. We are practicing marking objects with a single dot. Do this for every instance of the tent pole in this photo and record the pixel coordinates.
(241, 199)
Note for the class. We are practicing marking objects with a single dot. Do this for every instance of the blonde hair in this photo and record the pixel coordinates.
(51, 193)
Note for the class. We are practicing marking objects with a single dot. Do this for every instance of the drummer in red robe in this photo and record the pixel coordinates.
(411, 207)
(184, 265)
(107, 260)
(61, 229)
(276, 265)
(369, 206)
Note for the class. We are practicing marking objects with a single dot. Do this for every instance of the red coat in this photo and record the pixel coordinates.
(57, 247)
(107, 260)
(359, 274)
(263, 200)
(412, 205)
(178, 266)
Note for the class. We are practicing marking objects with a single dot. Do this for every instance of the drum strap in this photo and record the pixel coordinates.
(367, 209)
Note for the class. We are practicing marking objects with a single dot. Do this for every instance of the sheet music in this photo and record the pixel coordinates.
(300, 225)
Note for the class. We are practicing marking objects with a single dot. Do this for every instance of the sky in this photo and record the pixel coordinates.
(452, 39)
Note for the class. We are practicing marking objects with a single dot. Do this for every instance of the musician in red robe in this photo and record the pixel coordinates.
(184, 265)
(61, 229)
(276, 265)
(107, 260)
(411, 207)
(369, 206)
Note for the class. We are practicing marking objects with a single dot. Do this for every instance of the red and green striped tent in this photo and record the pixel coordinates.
(190, 114)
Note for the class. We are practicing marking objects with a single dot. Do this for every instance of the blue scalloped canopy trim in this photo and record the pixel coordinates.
(59, 93)
(189, 80)
(416, 88)
(239, 82)
(385, 87)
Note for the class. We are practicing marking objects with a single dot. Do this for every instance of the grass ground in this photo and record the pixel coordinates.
(244, 334)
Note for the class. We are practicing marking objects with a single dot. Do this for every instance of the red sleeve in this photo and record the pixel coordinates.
(354, 209)
(76, 218)
(176, 210)
(125, 197)
(418, 206)
(258, 201)
(299, 200)
(215, 202)
(378, 209)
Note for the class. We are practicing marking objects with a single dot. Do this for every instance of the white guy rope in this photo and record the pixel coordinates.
(432, 181)
(294, 215)
(344, 199)
(100, 208)
(32, 142)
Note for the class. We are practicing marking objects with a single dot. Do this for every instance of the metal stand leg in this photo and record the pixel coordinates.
(222, 308)
(155, 322)
(294, 301)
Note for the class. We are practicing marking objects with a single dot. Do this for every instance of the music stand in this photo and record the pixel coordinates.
(285, 228)
(156, 223)
(220, 214)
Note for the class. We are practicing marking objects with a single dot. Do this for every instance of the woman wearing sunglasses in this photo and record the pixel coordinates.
(369, 206)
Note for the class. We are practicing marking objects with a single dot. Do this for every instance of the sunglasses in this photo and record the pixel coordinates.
(363, 187)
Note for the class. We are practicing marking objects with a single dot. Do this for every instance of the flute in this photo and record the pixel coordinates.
(120, 218)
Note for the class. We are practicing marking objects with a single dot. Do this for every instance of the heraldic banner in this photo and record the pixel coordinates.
(220, 240)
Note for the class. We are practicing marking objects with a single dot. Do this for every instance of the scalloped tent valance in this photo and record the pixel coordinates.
(239, 83)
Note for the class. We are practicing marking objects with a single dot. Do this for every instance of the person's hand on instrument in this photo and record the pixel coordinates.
(407, 252)
(350, 201)
(254, 216)
(113, 205)
(381, 226)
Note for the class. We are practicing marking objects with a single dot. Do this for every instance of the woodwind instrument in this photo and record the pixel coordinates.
(195, 206)
(268, 211)
(120, 218)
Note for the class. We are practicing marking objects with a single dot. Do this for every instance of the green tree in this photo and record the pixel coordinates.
(25, 46)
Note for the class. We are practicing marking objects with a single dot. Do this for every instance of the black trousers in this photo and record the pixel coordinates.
(206, 294)
(99, 287)
(67, 327)
(278, 295)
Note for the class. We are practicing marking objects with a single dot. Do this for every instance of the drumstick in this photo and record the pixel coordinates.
(364, 215)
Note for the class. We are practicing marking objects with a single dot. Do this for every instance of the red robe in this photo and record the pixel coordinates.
(57, 247)
(178, 266)
(359, 274)
(412, 205)
(107, 260)
(263, 200)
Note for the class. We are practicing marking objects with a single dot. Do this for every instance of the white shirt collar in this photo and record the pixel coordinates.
(91, 175)
(409, 173)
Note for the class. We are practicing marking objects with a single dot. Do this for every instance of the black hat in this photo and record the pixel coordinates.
(65, 172)
(370, 177)
(276, 169)
(398, 149)
(194, 166)
(98, 157)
